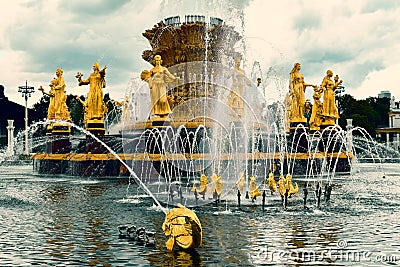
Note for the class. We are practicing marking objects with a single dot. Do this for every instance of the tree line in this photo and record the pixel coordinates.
(370, 113)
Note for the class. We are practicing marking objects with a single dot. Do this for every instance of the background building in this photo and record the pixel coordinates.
(383, 94)
(391, 134)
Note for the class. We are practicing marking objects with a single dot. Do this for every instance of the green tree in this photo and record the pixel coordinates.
(368, 113)
(41, 106)
(76, 109)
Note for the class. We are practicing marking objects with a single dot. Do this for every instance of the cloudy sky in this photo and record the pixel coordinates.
(359, 40)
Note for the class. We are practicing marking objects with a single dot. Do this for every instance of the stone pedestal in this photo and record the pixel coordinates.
(57, 136)
(95, 127)
(160, 122)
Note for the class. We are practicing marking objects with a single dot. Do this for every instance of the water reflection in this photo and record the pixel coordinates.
(187, 258)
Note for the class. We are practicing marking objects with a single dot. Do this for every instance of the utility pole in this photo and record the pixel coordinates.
(26, 93)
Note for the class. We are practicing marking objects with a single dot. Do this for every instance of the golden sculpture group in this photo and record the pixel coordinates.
(94, 108)
(325, 113)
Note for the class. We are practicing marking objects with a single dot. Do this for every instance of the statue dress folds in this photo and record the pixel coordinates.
(95, 109)
(330, 110)
(157, 78)
(158, 92)
(297, 88)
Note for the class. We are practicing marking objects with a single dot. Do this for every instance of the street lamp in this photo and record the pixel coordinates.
(26, 93)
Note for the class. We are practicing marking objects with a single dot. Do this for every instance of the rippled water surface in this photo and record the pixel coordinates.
(69, 221)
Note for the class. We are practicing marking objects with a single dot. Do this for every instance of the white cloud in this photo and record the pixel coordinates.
(380, 80)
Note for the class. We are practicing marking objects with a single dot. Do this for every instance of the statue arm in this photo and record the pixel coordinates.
(171, 77)
(84, 82)
(337, 84)
(48, 94)
(103, 76)
(308, 84)
(103, 72)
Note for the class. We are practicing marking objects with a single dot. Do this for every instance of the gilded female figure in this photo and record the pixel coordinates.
(330, 111)
(157, 78)
(60, 96)
(94, 102)
(297, 88)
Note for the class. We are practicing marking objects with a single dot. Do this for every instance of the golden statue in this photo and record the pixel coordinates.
(238, 88)
(58, 109)
(58, 85)
(271, 182)
(94, 101)
(330, 111)
(254, 193)
(297, 88)
(203, 186)
(158, 78)
(316, 113)
(183, 228)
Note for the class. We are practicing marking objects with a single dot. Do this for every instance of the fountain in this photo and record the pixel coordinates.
(199, 135)
(204, 119)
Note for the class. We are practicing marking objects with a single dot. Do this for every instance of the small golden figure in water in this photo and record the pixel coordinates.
(240, 183)
(183, 228)
(158, 78)
(203, 186)
(271, 182)
(281, 185)
(289, 186)
(254, 193)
